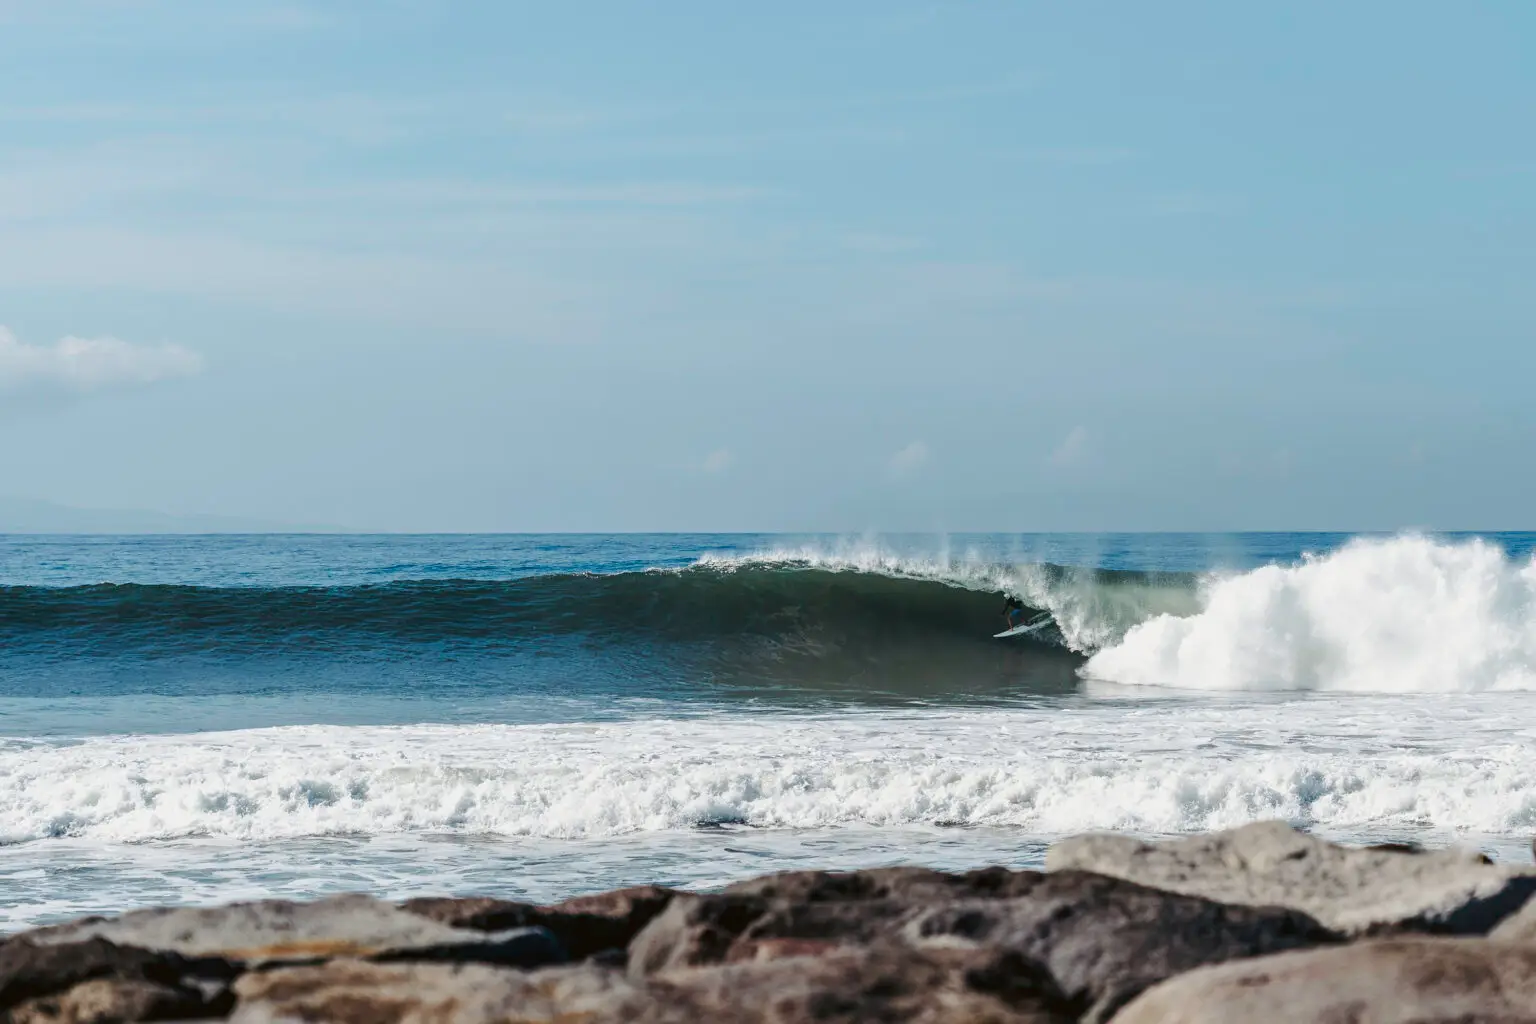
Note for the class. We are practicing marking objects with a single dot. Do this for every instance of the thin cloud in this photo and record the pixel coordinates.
(718, 461)
(618, 194)
(1073, 448)
(1193, 204)
(78, 365)
(1078, 156)
(909, 460)
(282, 18)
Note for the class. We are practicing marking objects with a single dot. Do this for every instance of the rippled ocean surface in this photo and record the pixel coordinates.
(194, 719)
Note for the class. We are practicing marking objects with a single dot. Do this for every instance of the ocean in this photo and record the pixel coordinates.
(200, 719)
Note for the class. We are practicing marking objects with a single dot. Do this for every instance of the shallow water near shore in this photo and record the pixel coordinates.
(192, 720)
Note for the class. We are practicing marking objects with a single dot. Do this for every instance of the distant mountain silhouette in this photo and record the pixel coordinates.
(29, 515)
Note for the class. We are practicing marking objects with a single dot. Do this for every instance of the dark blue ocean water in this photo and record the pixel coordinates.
(109, 634)
(192, 718)
(105, 634)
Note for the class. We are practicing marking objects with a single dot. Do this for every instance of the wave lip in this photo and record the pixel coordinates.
(1407, 614)
(1089, 607)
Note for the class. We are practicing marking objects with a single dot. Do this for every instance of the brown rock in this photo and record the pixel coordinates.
(280, 930)
(1519, 926)
(1357, 891)
(1103, 939)
(35, 977)
(585, 926)
(778, 949)
(1387, 981)
(915, 884)
(840, 907)
(695, 930)
(887, 983)
(641, 902)
(892, 985)
(348, 991)
(477, 913)
(110, 1001)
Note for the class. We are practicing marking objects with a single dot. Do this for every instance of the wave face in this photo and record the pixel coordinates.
(827, 601)
(856, 625)
(1404, 614)
(696, 604)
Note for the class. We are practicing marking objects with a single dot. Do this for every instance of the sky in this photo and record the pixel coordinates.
(448, 266)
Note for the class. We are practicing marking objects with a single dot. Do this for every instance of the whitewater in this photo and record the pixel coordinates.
(1161, 768)
(1406, 614)
(189, 720)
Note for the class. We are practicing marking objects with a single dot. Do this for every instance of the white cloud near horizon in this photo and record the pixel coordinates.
(79, 365)
(909, 460)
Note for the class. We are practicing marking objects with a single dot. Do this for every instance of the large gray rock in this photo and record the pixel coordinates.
(279, 930)
(848, 907)
(1357, 891)
(1105, 940)
(1519, 926)
(1387, 981)
(891, 985)
(1102, 939)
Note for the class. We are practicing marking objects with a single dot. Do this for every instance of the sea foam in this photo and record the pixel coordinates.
(1407, 614)
(1356, 764)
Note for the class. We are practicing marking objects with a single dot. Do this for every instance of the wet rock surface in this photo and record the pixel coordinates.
(1383, 981)
(1261, 923)
(1358, 891)
(281, 930)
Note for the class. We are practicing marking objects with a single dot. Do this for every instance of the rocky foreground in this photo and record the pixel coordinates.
(1258, 924)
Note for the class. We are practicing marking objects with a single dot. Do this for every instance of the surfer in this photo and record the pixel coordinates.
(1013, 612)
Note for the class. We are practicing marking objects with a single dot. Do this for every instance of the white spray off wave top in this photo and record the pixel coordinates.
(1089, 612)
(1406, 614)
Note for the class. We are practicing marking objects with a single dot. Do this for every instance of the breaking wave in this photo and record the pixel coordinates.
(1407, 614)
(792, 602)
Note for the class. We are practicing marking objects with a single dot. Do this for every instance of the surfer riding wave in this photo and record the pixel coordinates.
(1013, 613)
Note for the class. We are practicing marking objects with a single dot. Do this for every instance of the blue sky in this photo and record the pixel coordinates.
(860, 266)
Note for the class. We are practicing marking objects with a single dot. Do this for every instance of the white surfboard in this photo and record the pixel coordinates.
(1028, 627)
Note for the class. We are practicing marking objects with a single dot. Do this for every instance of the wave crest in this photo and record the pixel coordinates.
(1090, 607)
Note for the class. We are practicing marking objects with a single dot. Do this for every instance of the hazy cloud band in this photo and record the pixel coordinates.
(89, 364)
